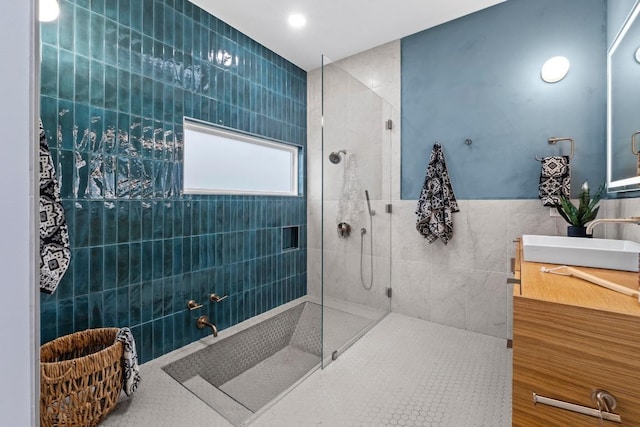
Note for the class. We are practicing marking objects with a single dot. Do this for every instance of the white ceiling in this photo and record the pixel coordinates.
(335, 28)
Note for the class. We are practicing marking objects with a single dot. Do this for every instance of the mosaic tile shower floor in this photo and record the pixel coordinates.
(405, 372)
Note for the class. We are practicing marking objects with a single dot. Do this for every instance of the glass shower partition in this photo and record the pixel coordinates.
(355, 224)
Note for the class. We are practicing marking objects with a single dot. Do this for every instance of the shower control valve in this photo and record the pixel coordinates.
(344, 230)
(192, 305)
(217, 298)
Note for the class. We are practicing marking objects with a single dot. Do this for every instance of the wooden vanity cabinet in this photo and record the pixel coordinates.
(571, 337)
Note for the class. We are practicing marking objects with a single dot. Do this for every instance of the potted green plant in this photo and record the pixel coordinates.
(586, 211)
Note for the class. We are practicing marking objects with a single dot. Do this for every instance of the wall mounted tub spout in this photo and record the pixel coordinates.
(203, 321)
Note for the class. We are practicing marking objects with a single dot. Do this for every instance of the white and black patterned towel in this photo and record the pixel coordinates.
(131, 371)
(437, 202)
(55, 254)
(555, 179)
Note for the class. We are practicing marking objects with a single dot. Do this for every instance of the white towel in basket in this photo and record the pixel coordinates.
(131, 371)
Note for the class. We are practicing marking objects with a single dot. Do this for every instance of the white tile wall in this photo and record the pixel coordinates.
(463, 283)
(354, 121)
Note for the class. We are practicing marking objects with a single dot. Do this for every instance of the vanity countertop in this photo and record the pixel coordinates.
(573, 291)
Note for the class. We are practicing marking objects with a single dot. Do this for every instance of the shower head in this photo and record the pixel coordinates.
(335, 157)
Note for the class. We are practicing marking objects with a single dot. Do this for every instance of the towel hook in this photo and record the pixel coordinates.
(554, 140)
(633, 142)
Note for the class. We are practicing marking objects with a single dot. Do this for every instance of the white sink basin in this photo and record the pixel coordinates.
(599, 253)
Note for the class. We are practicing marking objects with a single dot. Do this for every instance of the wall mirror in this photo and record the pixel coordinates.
(623, 107)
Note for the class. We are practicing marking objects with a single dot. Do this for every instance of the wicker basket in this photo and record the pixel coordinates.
(80, 377)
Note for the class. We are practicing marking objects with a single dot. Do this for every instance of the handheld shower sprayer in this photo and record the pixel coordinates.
(371, 211)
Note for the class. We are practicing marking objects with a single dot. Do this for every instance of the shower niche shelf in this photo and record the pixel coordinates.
(290, 238)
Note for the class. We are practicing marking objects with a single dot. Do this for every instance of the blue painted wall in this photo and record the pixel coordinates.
(117, 79)
(478, 77)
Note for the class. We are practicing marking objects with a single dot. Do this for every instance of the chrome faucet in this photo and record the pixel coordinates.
(632, 220)
(203, 321)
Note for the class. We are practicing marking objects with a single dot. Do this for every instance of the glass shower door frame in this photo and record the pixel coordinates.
(366, 133)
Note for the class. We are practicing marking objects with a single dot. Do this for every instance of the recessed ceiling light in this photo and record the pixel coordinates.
(297, 20)
(49, 10)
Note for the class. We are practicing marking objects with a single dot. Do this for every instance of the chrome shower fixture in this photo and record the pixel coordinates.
(371, 211)
(336, 157)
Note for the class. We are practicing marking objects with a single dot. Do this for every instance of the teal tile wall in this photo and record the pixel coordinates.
(117, 79)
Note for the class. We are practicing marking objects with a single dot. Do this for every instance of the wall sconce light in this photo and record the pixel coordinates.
(555, 69)
(48, 10)
(637, 55)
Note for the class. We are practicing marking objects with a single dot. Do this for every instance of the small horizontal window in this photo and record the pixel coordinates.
(221, 161)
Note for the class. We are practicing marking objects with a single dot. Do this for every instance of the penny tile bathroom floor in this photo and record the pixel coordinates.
(404, 371)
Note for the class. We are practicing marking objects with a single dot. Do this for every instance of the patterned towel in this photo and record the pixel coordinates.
(437, 202)
(131, 374)
(555, 179)
(55, 254)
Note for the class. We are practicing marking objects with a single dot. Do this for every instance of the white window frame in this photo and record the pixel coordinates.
(210, 148)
